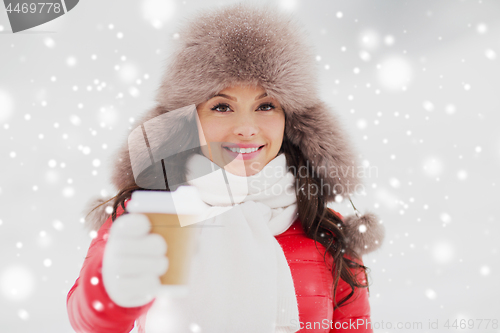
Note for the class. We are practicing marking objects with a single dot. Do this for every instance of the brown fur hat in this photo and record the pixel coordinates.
(252, 44)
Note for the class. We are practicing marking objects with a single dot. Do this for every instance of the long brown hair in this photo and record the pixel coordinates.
(318, 222)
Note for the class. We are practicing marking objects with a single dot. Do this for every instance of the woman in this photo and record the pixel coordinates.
(250, 74)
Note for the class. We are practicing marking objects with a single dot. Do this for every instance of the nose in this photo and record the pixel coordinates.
(246, 126)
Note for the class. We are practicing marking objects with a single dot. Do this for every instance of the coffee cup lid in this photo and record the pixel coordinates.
(186, 200)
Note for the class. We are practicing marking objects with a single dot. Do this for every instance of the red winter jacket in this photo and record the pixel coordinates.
(91, 310)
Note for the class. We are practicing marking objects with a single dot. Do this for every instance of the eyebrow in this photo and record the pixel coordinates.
(234, 99)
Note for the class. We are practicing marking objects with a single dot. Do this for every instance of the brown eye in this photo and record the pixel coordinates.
(222, 106)
(267, 106)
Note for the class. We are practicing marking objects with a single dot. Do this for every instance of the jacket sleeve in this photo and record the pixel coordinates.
(354, 314)
(89, 307)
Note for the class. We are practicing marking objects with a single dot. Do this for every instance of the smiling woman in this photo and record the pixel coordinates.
(244, 124)
(284, 260)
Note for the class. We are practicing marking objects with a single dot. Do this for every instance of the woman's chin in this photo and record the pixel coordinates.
(242, 168)
(236, 164)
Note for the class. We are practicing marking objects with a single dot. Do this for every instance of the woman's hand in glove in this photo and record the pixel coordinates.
(133, 261)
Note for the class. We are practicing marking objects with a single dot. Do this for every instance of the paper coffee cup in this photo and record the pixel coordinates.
(172, 216)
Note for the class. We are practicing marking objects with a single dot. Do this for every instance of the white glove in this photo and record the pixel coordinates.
(133, 261)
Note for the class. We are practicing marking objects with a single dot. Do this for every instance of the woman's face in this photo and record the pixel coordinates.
(242, 129)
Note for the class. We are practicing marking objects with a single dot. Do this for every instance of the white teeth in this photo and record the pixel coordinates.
(243, 150)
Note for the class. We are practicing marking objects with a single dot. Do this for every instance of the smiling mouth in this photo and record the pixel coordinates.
(243, 150)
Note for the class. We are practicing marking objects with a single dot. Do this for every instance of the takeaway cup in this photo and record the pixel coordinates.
(172, 215)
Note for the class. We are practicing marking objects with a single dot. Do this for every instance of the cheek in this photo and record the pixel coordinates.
(211, 130)
(274, 129)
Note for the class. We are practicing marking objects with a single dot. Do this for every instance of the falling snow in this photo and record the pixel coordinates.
(414, 86)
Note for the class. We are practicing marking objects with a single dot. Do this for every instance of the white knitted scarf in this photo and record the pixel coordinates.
(241, 280)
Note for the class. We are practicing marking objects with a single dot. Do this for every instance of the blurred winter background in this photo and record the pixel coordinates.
(416, 83)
